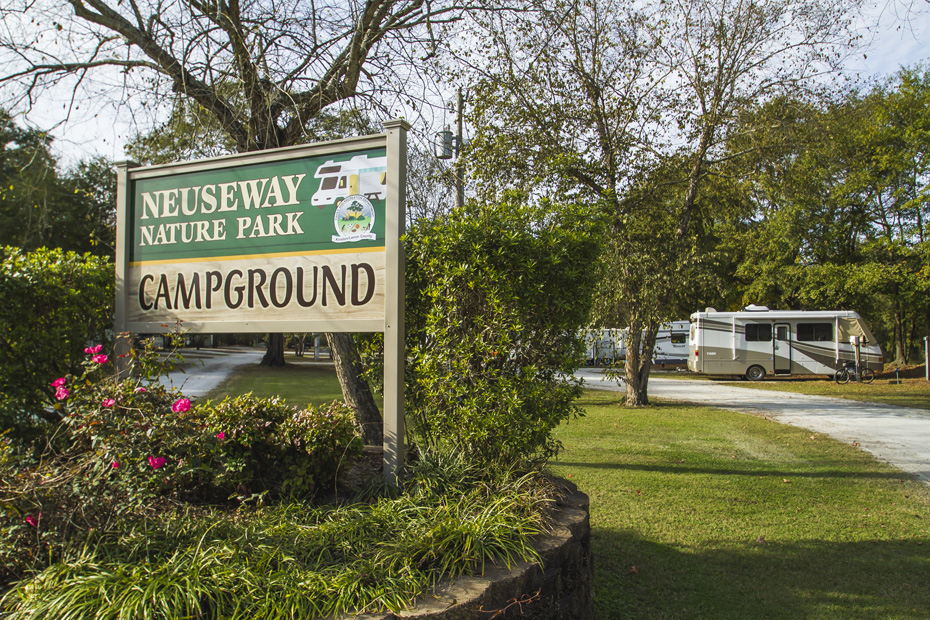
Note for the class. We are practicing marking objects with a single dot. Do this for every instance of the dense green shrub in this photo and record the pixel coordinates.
(52, 303)
(496, 295)
(126, 451)
(267, 445)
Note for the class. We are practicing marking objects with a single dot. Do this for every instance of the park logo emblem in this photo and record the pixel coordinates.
(354, 219)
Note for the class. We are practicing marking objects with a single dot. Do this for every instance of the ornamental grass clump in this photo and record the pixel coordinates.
(290, 559)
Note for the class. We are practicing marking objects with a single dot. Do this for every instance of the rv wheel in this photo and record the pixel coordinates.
(755, 373)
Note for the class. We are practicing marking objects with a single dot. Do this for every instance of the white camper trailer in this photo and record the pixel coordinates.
(605, 346)
(602, 346)
(756, 342)
(672, 343)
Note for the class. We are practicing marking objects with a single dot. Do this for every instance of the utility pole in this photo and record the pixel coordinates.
(459, 162)
(450, 146)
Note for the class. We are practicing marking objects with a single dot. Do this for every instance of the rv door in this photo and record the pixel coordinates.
(781, 349)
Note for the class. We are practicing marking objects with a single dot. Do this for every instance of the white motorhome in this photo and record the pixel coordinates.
(358, 176)
(757, 342)
(604, 346)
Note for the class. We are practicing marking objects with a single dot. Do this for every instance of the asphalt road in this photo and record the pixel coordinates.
(897, 435)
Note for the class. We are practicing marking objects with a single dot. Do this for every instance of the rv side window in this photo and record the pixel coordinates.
(758, 332)
(328, 183)
(815, 332)
(679, 337)
(342, 182)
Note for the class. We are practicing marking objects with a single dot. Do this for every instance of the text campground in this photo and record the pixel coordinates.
(352, 285)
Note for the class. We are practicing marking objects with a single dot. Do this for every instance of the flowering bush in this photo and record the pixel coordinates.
(125, 452)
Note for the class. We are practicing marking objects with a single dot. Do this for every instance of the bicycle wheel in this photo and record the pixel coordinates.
(868, 375)
(841, 376)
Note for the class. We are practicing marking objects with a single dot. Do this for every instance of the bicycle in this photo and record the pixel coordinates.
(851, 370)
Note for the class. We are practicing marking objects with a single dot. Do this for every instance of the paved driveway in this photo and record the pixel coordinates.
(897, 435)
(207, 368)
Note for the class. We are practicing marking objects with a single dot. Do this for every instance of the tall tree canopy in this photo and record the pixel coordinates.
(839, 206)
(40, 207)
(631, 105)
(262, 71)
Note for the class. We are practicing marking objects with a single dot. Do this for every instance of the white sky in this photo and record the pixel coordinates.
(897, 33)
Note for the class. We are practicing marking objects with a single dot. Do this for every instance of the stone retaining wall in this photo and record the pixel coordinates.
(561, 588)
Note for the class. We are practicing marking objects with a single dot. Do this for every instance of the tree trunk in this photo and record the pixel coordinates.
(274, 354)
(899, 357)
(640, 345)
(355, 389)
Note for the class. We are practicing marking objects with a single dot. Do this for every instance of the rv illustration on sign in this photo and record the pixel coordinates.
(360, 176)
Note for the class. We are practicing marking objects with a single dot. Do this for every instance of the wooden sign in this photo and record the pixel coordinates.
(299, 239)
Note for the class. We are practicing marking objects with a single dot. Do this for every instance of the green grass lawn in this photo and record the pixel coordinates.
(711, 514)
(705, 513)
(299, 383)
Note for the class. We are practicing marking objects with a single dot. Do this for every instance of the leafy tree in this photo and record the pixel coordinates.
(27, 185)
(87, 209)
(41, 208)
(630, 106)
(496, 296)
(840, 209)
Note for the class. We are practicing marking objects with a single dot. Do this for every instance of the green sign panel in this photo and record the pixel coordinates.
(308, 205)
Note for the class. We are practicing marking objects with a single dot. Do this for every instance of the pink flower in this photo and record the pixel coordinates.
(114, 465)
(99, 359)
(33, 521)
(94, 350)
(157, 462)
(108, 402)
(62, 393)
(139, 389)
(181, 405)
(60, 381)
(221, 435)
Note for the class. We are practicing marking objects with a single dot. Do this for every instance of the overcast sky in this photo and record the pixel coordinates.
(896, 31)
